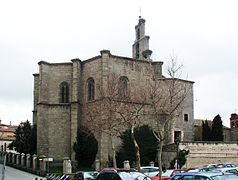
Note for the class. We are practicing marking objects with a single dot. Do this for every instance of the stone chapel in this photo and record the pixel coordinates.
(60, 89)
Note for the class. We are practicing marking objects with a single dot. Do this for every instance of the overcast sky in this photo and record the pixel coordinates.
(202, 34)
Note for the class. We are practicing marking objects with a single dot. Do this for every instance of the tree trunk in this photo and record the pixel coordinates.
(159, 155)
(113, 152)
(137, 148)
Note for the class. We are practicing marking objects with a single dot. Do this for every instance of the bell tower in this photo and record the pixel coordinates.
(141, 45)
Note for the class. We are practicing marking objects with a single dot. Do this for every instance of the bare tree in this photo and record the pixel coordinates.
(101, 114)
(165, 99)
(131, 112)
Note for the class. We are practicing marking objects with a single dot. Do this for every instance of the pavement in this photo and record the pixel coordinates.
(15, 174)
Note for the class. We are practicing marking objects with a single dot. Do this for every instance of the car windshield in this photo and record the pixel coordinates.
(167, 173)
(145, 170)
(225, 177)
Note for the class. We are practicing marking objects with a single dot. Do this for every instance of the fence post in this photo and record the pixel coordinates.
(28, 161)
(18, 158)
(34, 162)
(42, 164)
(67, 167)
(97, 165)
(152, 164)
(9, 157)
(22, 159)
(13, 158)
(126, 164)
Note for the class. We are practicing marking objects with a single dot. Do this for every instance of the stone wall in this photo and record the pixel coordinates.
(59, 131)
(202, 153)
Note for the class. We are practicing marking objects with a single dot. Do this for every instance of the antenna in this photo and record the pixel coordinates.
(140, 13)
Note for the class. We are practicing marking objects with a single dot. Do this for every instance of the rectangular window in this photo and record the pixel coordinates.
(177, 136)
(137, 51)
(138, 34)
(185, 117)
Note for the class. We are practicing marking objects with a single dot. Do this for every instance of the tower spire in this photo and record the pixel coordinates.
(141, 45)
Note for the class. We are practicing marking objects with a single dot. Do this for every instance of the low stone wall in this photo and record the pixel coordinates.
(28, 163)
(38, 165)
(202, 153)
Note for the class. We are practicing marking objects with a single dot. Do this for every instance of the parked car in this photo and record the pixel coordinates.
(210, 166)
(228, 170)
(226, 165)
(150, 171)
(80, 175)
(204, 176)
(167, 174)
(205, 169)
(120, 174)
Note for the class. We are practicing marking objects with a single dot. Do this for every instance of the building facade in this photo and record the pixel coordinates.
(61, 91)
(7, 135)
(234, 122)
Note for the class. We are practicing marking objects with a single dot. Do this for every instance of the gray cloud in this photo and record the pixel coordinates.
(202, 34)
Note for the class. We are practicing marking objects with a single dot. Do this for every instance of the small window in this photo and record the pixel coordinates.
(177, 136)
(91, 89)
(237, 124)
(138, 34)
(185, 117)
(64, 92)
(137, 50)
(233, 124)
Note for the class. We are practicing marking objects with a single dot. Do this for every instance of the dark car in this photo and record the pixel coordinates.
(81, 175)
(113, 174)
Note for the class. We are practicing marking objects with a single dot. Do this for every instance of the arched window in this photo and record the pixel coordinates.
(64, 92)
(91, 89)
(123, 87)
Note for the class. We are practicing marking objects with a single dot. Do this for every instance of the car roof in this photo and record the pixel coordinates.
(208, 174)
(225, 168)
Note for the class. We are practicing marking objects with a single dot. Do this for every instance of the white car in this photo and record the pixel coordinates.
(227, 170)
(150, 171)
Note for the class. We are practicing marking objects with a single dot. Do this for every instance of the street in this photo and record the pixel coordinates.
(15, 174)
